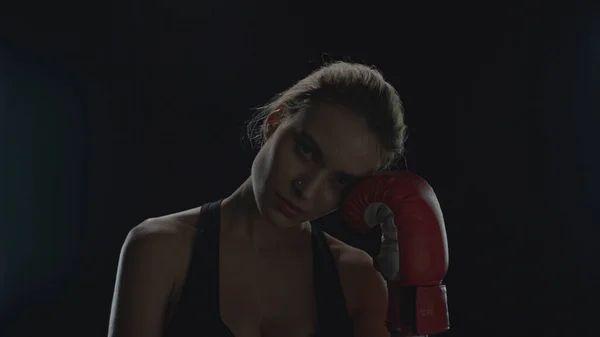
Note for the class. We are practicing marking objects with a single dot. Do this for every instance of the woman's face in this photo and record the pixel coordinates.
(308, 160)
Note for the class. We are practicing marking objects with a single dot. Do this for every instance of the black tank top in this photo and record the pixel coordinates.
(197, 313)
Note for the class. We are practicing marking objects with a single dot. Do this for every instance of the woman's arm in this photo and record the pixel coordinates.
(369, 320)
(144, 281)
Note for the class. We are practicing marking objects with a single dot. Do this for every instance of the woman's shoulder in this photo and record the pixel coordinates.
(166, 229)
(167, 240)
(164, 244)
(152, 264)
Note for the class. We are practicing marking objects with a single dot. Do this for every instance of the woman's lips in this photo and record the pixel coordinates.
(288, 208)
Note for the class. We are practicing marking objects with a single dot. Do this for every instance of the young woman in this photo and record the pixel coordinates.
(251, 264)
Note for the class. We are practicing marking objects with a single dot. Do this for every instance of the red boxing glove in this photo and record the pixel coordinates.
(414, 250)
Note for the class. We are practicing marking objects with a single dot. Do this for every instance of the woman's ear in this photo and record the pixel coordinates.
(272, 121)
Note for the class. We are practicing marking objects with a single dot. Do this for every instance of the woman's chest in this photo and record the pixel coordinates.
(269, 294)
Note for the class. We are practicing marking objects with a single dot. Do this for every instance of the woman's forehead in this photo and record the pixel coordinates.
(344, 138)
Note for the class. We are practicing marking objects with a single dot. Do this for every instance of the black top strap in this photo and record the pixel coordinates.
(332, 312)
(199, 299)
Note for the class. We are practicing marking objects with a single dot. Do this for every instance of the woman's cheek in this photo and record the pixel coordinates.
(329, 203)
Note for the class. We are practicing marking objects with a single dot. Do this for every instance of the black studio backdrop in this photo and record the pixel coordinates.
(113, 113)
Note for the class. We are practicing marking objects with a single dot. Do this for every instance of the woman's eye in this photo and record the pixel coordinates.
(304, 148)
(341, 182)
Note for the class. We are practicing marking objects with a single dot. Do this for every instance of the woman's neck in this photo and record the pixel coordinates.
(240, 215)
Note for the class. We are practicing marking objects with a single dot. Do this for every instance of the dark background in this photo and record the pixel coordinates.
(115, 112)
